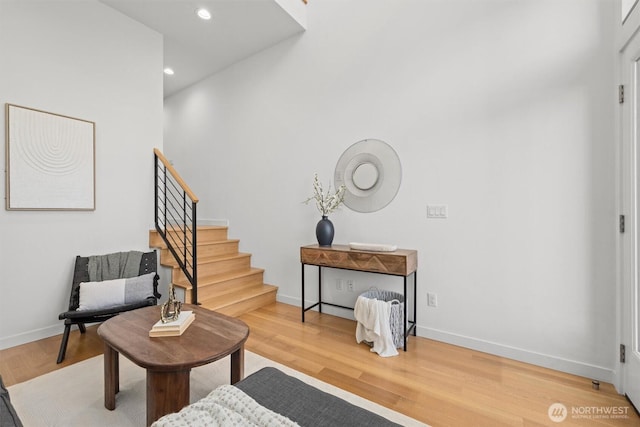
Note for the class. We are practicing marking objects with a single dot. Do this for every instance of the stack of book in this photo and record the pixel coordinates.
(174, 328)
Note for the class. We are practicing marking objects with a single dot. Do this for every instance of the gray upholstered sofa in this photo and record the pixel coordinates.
(304, 404)
(286, 396)
(8, 416)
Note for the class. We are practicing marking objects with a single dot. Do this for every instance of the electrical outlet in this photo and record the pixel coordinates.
(432, 299)
(350, 285)
(339, 285)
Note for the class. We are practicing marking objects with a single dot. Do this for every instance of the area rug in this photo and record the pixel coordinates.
(73, 396)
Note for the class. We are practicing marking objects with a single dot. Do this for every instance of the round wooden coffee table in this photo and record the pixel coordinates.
(168, 360)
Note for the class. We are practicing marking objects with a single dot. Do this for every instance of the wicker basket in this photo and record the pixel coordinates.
(396, 318)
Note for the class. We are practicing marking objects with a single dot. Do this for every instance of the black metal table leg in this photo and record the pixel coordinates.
(320, 289)
(302, 303)
(415, 304)
(406, 315)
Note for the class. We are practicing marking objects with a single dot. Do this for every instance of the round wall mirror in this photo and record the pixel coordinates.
(371, 172)
(365, 176)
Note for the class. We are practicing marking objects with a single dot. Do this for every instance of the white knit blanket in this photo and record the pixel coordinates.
(373, 325)
(225, 406)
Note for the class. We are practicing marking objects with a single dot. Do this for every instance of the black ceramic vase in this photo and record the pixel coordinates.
(324, 231)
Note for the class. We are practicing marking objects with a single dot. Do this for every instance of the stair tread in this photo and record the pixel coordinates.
(213, 242)
(205, 234)
(163, 245)
(216, 258)
(204, 251)
(218, 242)
(218, 278)
(205, 260)
(199, 227)
(233, 275)
(235, 297)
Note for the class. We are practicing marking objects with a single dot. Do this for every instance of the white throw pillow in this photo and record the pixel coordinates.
(98, 295)
(110, 293)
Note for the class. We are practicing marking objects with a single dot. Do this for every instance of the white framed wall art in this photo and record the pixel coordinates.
(50, 161)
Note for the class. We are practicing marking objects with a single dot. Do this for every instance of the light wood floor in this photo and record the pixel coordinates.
(436, 383)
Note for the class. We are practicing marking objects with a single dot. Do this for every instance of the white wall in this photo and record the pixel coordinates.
(502, 110)
(80, 59)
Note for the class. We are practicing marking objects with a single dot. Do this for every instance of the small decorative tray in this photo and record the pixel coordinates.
(374, 247)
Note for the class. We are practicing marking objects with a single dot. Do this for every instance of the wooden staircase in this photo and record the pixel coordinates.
(227, 283)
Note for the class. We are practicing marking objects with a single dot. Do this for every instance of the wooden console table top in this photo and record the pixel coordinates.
(401, 262)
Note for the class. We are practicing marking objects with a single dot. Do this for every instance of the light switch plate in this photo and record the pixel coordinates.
(437, 211)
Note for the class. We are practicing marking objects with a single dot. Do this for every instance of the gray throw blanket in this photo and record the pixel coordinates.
(119, 265)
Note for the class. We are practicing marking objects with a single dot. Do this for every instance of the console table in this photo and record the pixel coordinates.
(401, 262)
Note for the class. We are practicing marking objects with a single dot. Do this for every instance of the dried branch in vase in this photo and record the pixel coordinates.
(326, 202)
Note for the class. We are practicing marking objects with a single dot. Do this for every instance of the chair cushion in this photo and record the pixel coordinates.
(112, 293)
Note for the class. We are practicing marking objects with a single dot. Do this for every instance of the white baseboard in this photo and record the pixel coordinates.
(547, 361)
(287, 299)
(29, 336)
(213, 221)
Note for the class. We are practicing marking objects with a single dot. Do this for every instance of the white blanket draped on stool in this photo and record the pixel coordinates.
(373, 325)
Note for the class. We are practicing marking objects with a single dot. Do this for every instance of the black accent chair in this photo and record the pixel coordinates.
(148, 264)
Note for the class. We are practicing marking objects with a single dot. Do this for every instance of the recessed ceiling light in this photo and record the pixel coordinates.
(169, 71)
(204, 14)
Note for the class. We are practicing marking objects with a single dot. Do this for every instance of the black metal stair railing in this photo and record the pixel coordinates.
(175, 218)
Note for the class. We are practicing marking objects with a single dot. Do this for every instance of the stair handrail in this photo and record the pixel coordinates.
(175, 218)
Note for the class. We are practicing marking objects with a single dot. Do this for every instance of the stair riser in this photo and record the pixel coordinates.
(226, 248)
(209, 235)
(214, 268)
(206, 291)
(204, 251)
(205, 235)
(245, 306)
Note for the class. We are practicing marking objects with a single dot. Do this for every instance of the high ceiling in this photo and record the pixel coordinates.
(195, 48)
